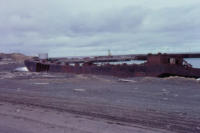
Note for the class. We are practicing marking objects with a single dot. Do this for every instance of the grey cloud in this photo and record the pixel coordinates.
(65, 28)
(124, 20)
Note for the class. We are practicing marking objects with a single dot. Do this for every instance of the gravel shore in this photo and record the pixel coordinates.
(130, 105)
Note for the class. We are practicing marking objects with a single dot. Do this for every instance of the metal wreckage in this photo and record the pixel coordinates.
(155, 65)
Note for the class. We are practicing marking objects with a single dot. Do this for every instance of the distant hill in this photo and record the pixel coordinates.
(14, 56)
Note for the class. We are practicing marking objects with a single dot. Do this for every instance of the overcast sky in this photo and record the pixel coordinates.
(91, 27)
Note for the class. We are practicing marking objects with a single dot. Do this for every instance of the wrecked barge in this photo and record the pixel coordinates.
(155, 65)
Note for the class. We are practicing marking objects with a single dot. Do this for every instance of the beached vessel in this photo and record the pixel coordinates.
(156, 65)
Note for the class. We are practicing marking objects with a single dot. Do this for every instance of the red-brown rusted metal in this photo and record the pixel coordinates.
(156, 65)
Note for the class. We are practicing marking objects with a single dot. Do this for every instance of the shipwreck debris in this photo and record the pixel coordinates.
(155, 65)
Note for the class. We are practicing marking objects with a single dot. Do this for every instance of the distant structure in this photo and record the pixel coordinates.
(109, 52)
(43, 56)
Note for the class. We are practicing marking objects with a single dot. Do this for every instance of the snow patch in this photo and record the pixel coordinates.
(21, 69)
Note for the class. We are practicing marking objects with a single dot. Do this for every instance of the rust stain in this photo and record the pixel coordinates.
(155, 65)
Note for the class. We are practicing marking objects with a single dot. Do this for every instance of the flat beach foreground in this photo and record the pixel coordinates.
(47, 102)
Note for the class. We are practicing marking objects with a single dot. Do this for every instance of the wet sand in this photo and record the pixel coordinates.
(153, 104)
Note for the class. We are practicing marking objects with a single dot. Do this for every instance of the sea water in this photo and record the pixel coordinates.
(195, 62)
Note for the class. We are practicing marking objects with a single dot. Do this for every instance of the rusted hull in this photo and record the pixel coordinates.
(123, 70)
